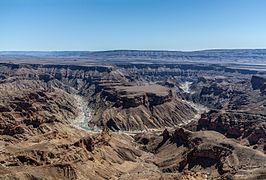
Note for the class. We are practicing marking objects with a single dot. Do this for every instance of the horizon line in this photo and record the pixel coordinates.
(151, 50)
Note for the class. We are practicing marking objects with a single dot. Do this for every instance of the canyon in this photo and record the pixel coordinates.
(132, 115)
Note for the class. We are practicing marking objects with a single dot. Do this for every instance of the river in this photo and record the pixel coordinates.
(186, 86)
(84, 117)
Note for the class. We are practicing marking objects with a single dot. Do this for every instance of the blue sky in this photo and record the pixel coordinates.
(132, 24)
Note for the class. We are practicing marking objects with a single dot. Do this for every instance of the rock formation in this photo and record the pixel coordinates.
(207, 152)
(139, 107)
(131, 103)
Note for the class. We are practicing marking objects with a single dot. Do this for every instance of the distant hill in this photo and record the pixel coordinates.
(221, 55)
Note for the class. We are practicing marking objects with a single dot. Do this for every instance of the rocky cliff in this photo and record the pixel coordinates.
(130, 107)
(115, 101)
(41, 136)
(248, 128)
(206, 152)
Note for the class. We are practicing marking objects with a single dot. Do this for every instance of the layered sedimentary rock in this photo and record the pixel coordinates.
(248, 128)
(39, 140)
(67, 153)
(257, 82)
(116, 102)
(139, 107)
(207, 152)
(26, 113)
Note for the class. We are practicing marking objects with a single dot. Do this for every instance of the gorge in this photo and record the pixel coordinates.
(137, 119)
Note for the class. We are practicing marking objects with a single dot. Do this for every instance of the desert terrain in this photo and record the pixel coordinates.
(133, 115)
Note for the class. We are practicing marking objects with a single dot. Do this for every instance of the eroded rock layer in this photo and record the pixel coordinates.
(40, 116)
(116, 102)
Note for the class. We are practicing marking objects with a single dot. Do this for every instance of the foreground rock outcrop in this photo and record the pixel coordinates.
(249, 129)
(28, 113)
(207, 152)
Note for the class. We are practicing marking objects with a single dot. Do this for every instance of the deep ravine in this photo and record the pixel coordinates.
(82, 120)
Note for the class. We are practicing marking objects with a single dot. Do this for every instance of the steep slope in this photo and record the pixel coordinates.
(206, 152)
(115, 101)
(129, 107)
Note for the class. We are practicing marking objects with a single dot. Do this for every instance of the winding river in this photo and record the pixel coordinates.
(84, 117)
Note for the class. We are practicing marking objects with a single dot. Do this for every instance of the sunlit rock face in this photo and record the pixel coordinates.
(140, 107)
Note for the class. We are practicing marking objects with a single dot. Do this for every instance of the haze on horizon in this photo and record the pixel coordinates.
(36, 25)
